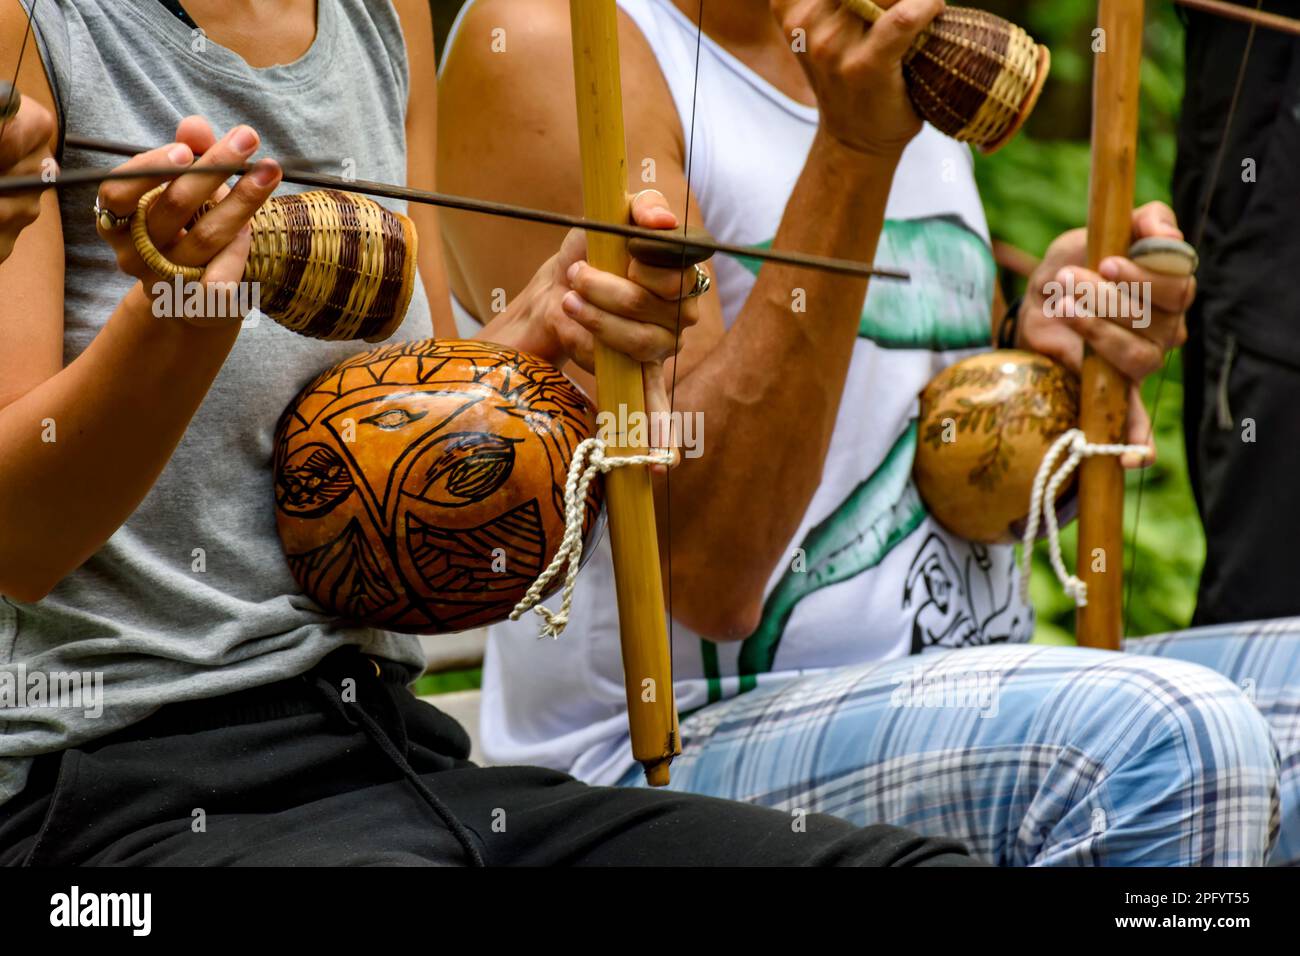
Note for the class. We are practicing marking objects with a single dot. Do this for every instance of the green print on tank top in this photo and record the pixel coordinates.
(946, 304)
(945, 307)
(878, 514)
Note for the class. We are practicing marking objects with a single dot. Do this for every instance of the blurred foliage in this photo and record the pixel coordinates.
(1036, 188)
(448, 682)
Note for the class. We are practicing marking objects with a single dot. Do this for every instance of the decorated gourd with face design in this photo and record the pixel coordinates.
(419, 487)
(985, 424)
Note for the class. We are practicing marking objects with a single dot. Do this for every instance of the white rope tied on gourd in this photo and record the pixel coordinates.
(1042, 504)
(589, 459)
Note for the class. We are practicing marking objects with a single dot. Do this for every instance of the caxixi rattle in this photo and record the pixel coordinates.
(971, 74)
(329, 264)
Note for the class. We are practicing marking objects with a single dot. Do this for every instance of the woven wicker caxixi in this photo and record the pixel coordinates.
(330, 265)
(971, 74)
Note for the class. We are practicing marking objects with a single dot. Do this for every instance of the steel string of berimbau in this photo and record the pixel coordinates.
(339, 215)
(652, 246)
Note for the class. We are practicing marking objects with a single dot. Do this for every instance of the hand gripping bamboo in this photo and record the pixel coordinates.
(647, 664)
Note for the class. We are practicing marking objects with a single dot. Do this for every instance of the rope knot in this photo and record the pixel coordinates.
(1042, 506)
(589, 459)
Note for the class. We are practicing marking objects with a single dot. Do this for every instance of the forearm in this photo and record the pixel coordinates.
(769, 395)
(81, 450)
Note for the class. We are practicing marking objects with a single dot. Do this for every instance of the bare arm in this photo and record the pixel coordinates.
(116, 413)
(770, 393)
(422, 154)
(147, 376)
(770, 388)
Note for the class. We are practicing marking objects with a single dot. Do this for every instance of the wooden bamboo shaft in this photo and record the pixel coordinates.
(1104, 393)
(871, 12)
(647, 665)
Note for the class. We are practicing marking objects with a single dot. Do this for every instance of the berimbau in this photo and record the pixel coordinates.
(425, 486)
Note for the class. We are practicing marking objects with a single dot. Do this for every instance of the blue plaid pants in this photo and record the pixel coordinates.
(1167, 755)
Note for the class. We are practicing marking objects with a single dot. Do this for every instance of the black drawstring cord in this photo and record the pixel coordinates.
(385, 743)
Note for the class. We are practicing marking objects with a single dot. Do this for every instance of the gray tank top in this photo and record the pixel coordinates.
(191, 597)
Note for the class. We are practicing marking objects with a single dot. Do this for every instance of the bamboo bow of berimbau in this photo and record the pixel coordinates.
(1104, 396)
(647, 662)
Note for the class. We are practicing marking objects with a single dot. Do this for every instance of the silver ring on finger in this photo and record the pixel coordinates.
(702, 283)
(109, 221)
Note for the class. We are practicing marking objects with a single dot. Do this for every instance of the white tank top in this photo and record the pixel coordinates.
(869, 574)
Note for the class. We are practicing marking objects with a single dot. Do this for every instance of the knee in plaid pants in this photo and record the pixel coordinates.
(1030, 755)
(1263, 659)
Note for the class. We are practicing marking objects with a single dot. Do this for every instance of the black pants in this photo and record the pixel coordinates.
(1243, 444)
(343, 766)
